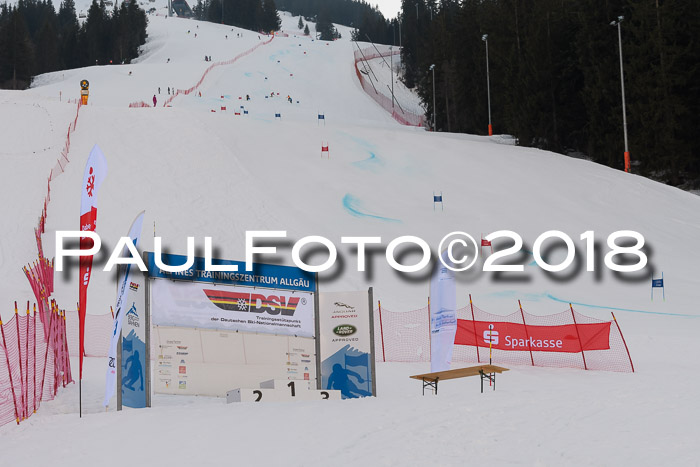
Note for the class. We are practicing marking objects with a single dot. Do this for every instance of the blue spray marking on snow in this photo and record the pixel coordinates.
(537, 297)
(355, 208)
(372, 163)
(248, 74)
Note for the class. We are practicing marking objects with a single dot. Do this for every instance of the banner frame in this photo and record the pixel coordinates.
(147, 333)
(317, 337)
(373, 362)
(147, 284)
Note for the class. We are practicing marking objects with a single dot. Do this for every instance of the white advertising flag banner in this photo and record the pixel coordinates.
(122, 300)
(346, 345)
(248, 309)
(443, 317)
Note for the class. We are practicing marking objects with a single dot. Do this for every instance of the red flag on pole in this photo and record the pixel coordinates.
(95, 172)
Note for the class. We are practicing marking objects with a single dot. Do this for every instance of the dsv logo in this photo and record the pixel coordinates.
(254, 303)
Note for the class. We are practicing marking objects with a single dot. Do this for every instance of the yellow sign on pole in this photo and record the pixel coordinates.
(84, 91)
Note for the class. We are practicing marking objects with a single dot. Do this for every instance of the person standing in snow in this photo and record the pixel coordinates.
(155, 101)
(168, 90)
(158, 89)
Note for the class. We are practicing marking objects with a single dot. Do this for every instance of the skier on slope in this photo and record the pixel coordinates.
(155, 101)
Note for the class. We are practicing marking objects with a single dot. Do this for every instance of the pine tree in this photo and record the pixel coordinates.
(306, 30)
(16, 52)
(300, 25)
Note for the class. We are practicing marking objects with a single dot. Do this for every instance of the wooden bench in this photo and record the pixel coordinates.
(486, 372)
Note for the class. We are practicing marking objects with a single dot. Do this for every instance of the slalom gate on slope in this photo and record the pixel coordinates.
(204, 75)
(404, 117)
(31, 368)
(562, 340)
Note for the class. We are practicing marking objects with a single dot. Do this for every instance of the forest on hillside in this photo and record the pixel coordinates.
(554, 72)
(36, 39)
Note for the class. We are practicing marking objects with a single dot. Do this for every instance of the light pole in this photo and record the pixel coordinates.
(622, 85)
(432, 68)
(391, 55)
(485, 38)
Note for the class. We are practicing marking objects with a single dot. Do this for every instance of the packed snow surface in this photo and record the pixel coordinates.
(202, 173)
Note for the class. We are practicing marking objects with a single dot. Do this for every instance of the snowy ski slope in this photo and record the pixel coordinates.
(201, 173)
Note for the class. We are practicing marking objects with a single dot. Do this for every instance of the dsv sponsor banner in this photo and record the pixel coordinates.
(512, 336)
(201, 305)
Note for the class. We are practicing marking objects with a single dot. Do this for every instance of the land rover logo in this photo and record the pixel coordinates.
(344, 330)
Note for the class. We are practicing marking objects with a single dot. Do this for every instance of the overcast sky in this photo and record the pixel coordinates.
(389, 8)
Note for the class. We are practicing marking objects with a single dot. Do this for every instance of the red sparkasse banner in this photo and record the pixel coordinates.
(512, 336)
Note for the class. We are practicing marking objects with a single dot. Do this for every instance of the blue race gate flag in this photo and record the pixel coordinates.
(658, 284)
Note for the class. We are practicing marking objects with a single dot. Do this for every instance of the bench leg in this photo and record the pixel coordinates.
(430, 384)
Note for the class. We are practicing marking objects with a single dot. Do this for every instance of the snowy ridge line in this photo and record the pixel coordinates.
(211, 67)
(404, 117)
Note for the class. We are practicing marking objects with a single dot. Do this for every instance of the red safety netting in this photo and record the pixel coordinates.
(211, 67)
(402, 116)
(31, 371)
(139, 104)
(405, 337)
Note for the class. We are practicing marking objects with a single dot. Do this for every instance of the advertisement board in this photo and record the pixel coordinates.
(346, 343)
(270, 276)
(223, 307)
(211, 363)
(134, 359)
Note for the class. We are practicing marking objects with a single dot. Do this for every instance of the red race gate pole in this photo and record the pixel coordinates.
(21, 374)
(46, 356)
(34, 320)
(585, 367)
(26, 366)
(9, 369)
(623, 340)
(381, 330)
(476, 338)
(527, 334)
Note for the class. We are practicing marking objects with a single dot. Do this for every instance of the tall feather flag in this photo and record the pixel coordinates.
(122, 298)
(95, 173)
(443, 317)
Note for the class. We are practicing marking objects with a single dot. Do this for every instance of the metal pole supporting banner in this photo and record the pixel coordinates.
(370, 309)
(527, 335)
(147, 331)
(317, 336)
(585, 367)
